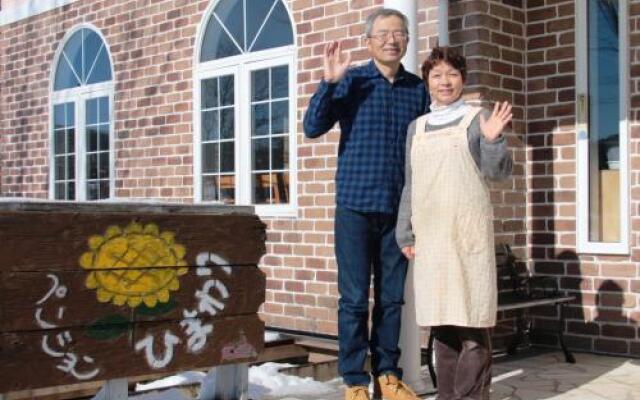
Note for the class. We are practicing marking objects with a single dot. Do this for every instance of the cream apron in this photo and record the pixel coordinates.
(452, 219)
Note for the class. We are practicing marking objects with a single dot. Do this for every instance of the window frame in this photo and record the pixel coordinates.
(197, 121)
(584, 244)
(241, 66)
(79, 96)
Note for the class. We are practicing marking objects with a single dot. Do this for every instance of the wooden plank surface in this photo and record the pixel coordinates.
(64, 299)
(38, 240)
(135, 206)
(97, 291)
(68, 356)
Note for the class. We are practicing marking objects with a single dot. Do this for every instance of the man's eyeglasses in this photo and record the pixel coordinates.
(384, 36)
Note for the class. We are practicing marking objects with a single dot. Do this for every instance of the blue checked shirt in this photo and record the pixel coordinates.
(374, 115)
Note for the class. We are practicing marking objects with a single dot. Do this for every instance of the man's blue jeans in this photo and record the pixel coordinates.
(365, 243)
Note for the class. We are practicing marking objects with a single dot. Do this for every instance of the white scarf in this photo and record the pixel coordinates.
(441, 115)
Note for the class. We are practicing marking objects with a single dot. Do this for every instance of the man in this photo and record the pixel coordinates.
(373, 103)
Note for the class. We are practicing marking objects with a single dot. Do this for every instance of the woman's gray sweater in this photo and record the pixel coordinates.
(492, 158)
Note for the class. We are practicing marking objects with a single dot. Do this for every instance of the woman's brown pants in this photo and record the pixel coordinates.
(463, 362)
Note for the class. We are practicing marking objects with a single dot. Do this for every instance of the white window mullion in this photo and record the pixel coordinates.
(81, 156)
(197, 148)
(293, 137)
(112, 151)
(244, 28)
(243, 138)
(582, 135)
(52, 158)
(83, 81)
(270, 134)
(624, 126)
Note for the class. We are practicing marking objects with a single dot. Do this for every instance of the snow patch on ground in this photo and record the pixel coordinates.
(184, 378)
(272, 336)
(265, 382)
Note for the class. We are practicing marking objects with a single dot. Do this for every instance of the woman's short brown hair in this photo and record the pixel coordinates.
(448, 55)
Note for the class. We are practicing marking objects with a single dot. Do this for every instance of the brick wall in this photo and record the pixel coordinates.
(24, 108)
(605, 315)
(427, 29)
(152, 51)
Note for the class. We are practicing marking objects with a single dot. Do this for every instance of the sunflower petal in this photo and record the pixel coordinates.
(95, 241)
(173, 285)
(163, 295)
(104, 296)
(133, 227)
(112, 231)
(86, 260)
(151, 229)
(179, 250)
(150, 300)
(134, 301)
(119, 300)
(168, 237)
(91, 281)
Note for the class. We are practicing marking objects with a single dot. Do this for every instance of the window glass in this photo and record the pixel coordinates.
(266, 23)
(84, 60)
(270, 134)
(604, 129)
(64, 151)
(276, 32)
(97, 148)
(218, 139)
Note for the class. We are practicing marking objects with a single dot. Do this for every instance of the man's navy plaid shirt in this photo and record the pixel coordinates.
(373, 115)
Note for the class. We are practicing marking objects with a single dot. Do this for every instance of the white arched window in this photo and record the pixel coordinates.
(81, 108)
(244, 111)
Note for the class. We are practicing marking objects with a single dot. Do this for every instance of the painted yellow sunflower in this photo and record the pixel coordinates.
(119, 262)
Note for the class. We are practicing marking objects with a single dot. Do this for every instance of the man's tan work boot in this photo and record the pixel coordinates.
(357, 393)
(393, 388)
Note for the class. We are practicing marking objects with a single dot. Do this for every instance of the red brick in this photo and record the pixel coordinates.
(611, 346)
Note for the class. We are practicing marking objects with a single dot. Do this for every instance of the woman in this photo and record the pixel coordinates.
(445, 224)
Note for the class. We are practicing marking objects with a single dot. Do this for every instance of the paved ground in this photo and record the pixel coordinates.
(547, 376)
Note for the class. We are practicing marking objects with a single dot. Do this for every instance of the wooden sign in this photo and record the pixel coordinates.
(57, 357)
(102, 291)
(58, 238)
(65, 299)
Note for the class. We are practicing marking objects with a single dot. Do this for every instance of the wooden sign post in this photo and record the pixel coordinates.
(105, 291)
